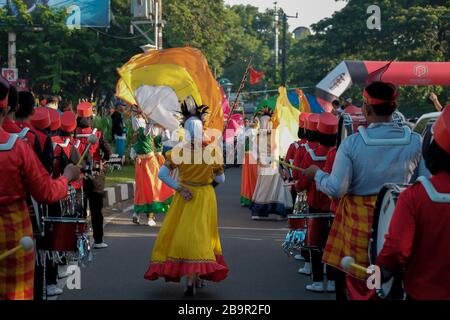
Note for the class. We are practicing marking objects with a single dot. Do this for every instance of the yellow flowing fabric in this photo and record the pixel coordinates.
(304, 104)
(285, 120)
(184, 70)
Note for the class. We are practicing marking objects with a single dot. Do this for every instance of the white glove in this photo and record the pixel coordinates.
(132, 154)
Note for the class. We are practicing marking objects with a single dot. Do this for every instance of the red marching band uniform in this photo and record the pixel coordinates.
(25, 175)
(419, 232)
(311, 123)
(294, 147)
(318, 202)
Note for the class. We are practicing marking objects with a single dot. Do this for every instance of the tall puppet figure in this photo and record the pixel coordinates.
(250, 167)
(271, 195)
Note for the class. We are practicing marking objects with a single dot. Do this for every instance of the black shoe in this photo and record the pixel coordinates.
(190, 291)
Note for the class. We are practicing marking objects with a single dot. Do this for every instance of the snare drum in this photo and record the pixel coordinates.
(73, 204)
(384, 210)
(301, 203)
(348, 125)
(318, 226)
(37, 212)
(61, 234)
(297, 222)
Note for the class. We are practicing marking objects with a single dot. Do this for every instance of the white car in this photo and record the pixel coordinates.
(422, 124)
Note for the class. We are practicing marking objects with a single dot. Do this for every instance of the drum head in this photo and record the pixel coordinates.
(384, 210)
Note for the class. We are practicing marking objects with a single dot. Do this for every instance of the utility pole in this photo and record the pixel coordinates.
(284, 54)
(277, 49)
(11, 43)
(160, 25)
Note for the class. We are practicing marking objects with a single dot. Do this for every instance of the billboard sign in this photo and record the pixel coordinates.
(10, 74)
(81, 13)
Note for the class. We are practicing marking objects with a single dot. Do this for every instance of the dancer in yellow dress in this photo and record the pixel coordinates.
(188, 244)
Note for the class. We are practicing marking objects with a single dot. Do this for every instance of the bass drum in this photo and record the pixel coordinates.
(384, 210)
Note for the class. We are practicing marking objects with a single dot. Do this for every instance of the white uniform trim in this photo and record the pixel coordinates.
(10, 144)
(313, 155)
(23, 133)
(65, 144)
(386, 142)
(432, 192)
(87, 135)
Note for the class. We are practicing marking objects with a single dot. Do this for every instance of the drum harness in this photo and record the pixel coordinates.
(432, 192)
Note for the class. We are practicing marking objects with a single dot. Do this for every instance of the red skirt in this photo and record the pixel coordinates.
(249, 179)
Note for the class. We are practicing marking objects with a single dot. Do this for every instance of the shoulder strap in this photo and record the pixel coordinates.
(23, 133)
(313, 155)
(386, 142)
(87, 135)
(432, 192)
(65, 144)
(10, 144)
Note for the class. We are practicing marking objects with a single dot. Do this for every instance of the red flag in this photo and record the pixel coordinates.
(378, 74)
(255, 76)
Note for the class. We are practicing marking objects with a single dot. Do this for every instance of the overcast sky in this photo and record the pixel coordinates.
(310, 11)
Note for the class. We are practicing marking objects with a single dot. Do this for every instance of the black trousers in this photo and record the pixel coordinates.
(96, 208)
(317, 267)
(341, 290)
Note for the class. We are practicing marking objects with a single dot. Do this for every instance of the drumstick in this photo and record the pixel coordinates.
(26, 244)
(349, 262)
(291, 166)
(93, 139)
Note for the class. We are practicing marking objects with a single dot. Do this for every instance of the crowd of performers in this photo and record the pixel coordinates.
(39, 150)
(344, 180)
(41, 153)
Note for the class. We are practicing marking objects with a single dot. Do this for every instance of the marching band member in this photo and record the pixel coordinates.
(151, 195)
(41, 122)
(311, 123)
(271, 196)
(94, 183)
(23, 120)
(188, 244)
(9, 125)
(294, 147)
(319, 202)
(26, 174)
(421, 225)
(382, 153)
(250, 167)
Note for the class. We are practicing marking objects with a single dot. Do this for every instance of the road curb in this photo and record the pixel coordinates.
(118, 193)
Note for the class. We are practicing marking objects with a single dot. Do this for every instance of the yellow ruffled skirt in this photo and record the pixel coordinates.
(189, 241)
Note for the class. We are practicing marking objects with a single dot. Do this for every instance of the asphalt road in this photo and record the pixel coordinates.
(259, 269)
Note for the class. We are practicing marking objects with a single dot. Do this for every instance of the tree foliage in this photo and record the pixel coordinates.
(410, 31)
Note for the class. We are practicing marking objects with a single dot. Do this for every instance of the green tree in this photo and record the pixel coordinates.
(411, 31)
